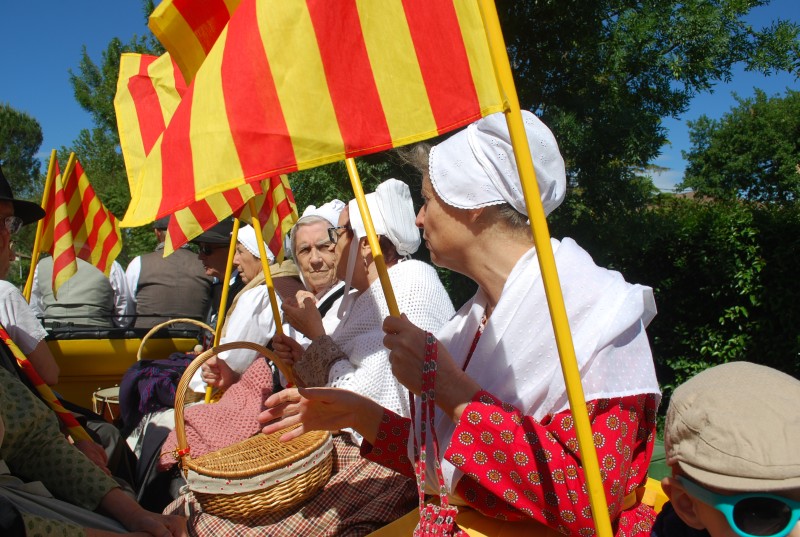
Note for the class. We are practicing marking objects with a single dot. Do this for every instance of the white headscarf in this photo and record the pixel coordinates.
(393, 216)
(392, 213)
(247, 237)
(476, 166)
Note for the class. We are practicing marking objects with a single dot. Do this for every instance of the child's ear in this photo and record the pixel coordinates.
(683, 504)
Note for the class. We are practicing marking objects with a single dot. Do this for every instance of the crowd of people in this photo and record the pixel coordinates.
(440, 418)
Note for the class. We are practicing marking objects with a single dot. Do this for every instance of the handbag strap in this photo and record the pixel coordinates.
(428, 412)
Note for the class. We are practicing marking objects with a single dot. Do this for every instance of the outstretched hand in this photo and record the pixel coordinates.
(320, 409)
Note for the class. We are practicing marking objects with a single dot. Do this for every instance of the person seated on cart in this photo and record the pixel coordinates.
(506, 437)
(315, 256)
(731, 438)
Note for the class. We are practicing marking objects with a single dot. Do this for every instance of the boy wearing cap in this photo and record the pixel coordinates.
(731, 437)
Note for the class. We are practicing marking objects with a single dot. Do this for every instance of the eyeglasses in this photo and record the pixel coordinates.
(334, 233)
(756, 514)
(12, 224)
(208, 249)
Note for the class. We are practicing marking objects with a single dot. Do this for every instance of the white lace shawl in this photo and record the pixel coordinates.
(422, 297)
(516, 358)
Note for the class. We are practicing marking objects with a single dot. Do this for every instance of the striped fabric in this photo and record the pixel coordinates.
(80, 226)
(57, 235)
(65, 417)
(275, 207)
(293, 84)
(149, 89)
(189, 28)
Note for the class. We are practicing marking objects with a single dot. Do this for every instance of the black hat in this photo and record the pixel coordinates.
(161, 223)
(28, 211)
(219, 234)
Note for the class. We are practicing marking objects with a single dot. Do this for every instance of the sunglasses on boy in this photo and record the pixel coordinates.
(755, 514)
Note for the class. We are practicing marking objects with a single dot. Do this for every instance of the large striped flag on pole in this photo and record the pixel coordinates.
(78, 225)
(149, 90)
(291, 85)
(189, 28)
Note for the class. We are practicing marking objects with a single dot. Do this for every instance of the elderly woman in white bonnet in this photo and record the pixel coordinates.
(507, 443)
(315, 255)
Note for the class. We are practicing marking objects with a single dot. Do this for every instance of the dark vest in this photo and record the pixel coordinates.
(170, 287)
(86, 299)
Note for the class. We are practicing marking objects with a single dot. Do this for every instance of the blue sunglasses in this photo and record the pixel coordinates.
(754, 514)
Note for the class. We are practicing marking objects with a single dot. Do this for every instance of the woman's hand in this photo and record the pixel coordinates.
(304, 316)
(139, 521)
(218, 374)
(406, 343)
(287, 349)
(320, 409)
(94, 453)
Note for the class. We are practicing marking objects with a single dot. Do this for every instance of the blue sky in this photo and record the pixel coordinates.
(42, 40)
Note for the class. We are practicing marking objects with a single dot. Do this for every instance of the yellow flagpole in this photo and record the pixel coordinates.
(377, 254)
(262, 251)
(48, 182)
(555, 299)
(223, 299)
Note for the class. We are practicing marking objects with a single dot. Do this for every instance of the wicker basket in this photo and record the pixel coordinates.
(158, 327)
(255, 460)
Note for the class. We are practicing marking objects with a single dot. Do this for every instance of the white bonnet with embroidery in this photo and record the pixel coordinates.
(476, 166)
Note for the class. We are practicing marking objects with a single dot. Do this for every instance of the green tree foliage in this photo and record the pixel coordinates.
(20, 140)
(603, 74)
(752, 152)
(723, 274)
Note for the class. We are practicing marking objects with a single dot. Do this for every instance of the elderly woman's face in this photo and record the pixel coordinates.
(443, 228)
(248, 265)
(316, 256)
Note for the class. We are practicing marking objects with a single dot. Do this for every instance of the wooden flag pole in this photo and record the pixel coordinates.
(223, 299)
(48, 182)
(377, 254)
(552, 287)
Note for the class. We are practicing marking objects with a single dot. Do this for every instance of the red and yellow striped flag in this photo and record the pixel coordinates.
(292, 85)
(78, 225)
(189, 28)
(57, 234)
(149, 89)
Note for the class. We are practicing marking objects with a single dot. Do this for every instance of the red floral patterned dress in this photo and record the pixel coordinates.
(516, 467)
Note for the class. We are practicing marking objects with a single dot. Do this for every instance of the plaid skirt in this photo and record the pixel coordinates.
(360, 497)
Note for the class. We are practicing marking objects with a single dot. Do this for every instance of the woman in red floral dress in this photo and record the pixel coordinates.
(506, 437)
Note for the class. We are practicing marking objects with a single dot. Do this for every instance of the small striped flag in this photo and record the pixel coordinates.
(294, 84)
(57, 236)
(78, 225)
(189, 28)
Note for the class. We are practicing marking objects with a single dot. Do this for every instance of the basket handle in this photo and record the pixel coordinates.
(158, 327)
(183, 385)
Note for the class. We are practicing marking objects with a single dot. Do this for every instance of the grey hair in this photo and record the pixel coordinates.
(304, 221)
